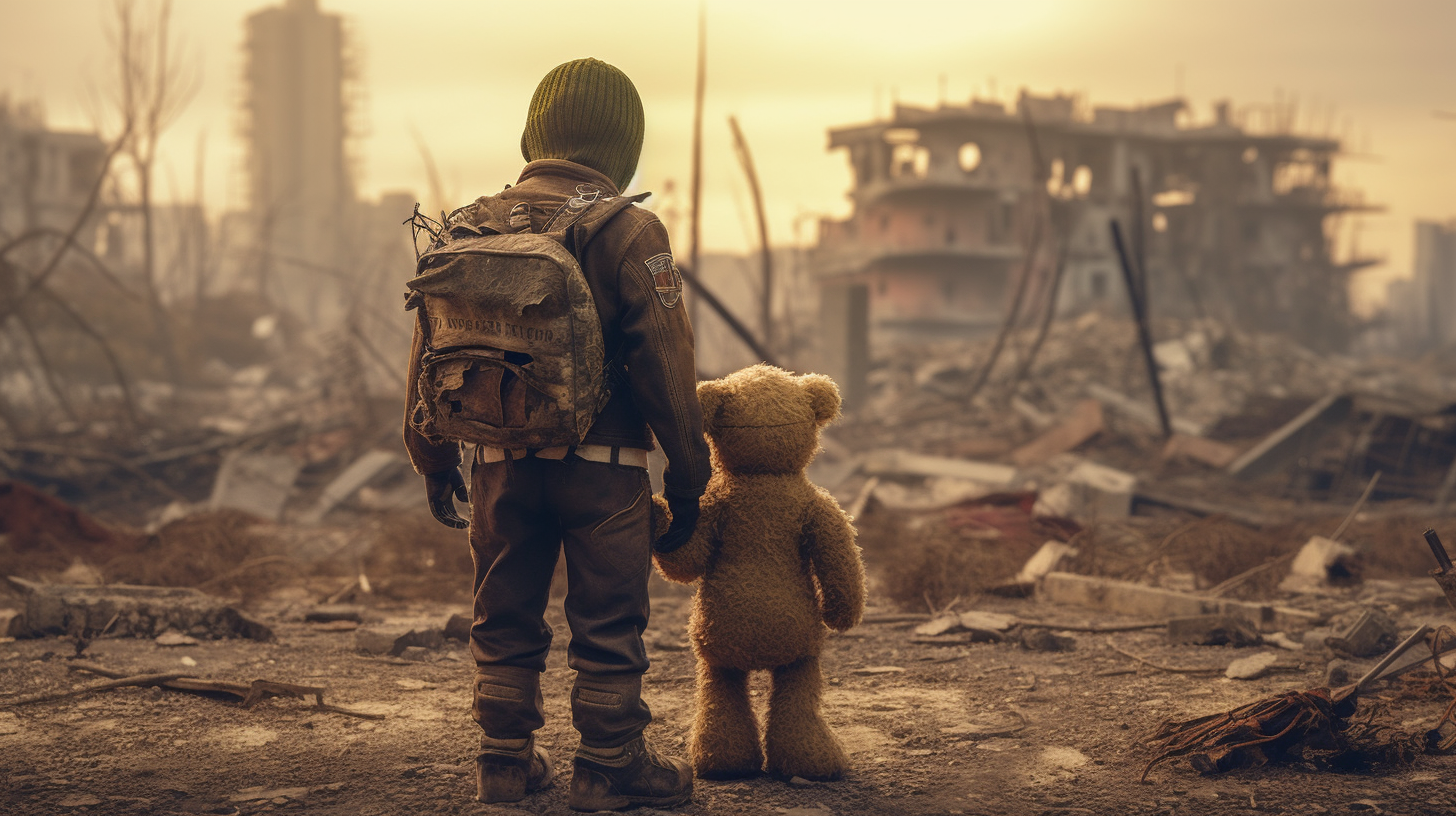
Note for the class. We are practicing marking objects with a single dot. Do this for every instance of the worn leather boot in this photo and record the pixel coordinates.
(507, 770)
(627, 776)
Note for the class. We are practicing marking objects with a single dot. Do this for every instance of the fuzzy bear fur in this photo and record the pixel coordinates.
(775, 561)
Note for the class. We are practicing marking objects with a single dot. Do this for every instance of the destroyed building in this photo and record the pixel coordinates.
(1419, 305)
(46, 175)
(1236, 223)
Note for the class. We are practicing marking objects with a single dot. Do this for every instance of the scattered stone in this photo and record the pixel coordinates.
(187, 661)
(1043, 640)
(394, 640)
(1373, 633)
(987, 725)
(260, 793)
(328, 613)
(1252, 667)
(877, 670)
(79, 800)
(411, 684)
(12, 623)
(1212, 630)
(1320, 562)
(415, 654)
(800, 782)
(9, 723)
(172, 637)
(458, 627)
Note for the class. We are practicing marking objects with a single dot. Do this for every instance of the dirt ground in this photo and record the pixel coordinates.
(913, 717)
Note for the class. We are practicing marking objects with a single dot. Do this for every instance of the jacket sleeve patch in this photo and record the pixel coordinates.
(666, 279)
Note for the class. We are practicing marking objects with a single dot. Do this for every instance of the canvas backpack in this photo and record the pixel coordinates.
(513, 353)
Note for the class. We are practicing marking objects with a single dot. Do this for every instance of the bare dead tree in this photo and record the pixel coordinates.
(153, 88)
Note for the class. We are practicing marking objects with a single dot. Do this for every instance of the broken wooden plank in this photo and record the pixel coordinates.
(890, 462)
(1205, 451)
(1152, 602)
(1084, 422)
(1286, 444)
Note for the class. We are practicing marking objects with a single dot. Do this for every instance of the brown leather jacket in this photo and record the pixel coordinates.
(644, 323)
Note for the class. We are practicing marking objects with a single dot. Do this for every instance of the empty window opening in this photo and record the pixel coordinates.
(909, 160)
(1054, 180)
(969, 157)
(1082, 181)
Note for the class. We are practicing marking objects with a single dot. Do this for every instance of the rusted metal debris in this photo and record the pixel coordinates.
(1316, 725)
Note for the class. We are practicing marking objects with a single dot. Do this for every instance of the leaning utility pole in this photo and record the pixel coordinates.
(765, 317)
(695, 218)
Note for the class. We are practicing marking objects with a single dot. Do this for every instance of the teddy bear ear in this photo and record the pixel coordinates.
(823, 397)
(710, 396)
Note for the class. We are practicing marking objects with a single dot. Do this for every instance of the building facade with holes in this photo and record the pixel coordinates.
(961, 212)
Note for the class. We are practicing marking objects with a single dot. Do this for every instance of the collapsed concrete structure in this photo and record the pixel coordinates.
(952, 205)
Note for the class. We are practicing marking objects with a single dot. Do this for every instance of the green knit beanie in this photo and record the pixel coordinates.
(588, 112)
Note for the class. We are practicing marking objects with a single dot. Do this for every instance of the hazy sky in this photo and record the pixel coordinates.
(461, 73)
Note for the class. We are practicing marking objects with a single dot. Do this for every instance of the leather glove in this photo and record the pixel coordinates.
(441, 488)
(684, 519)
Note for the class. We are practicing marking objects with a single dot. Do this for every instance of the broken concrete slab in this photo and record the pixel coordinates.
(892, 462)
(259, 483)
(1317, 562)
(1212, 630)
(1290, 441)
(135, 611)
(1084, 422)
(1152, 602)
(1252, 667)
(355, 476)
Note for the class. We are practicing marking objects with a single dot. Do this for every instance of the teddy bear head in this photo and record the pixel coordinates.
(762, 419)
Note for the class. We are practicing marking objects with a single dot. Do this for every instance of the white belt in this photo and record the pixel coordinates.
(635, 457)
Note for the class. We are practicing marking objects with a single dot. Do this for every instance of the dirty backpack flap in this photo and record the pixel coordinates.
(513, 351)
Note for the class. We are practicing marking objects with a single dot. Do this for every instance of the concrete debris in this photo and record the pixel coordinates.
(1372, 633)
(934, 493)
(172, 637)
(1319, 561)
(1293, 439)
(1252, 667)
(982, 626)
(258, 483)
(1090, 492)
(1044, 640)
(134, 611)
(1046, 560)
(355, 476)
(1142, 601)
(1213, 630)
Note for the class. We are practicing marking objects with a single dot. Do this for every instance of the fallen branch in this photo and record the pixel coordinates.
(1159, 666)
(119, 682)
(896, 617)
(249, 694)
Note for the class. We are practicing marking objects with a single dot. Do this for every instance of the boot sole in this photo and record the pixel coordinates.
(624, 802)
(508, 783)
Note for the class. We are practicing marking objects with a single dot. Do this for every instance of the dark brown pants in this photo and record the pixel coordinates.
(523, 514)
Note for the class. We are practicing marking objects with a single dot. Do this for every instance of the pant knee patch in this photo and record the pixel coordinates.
(603, 699)
(496, 692)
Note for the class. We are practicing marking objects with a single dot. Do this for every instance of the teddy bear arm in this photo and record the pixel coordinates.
(688, 562)
(837, 565)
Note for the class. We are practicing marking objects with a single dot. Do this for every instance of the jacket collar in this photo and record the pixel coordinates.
(563, 170)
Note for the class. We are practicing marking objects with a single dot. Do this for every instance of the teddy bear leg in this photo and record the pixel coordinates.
(724, 742)
(798, 742)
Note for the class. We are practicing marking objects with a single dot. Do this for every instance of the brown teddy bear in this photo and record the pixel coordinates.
(775, 561)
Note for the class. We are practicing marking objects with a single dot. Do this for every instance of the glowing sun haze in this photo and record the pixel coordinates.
(460, 73)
